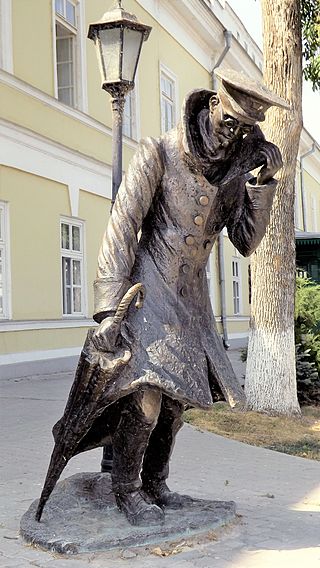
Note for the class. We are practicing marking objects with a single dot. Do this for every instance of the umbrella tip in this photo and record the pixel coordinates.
(39, 511)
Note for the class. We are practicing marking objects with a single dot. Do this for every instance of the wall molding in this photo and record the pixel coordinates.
(242, 335)
(33, 356)
(30, 152)
(32, 325)
(233, 319)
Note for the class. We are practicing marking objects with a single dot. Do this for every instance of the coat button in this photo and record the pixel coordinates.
(207, 244)
(185, 268)
(183, 291)
(203, 200)
(198, 220)
(189, 240)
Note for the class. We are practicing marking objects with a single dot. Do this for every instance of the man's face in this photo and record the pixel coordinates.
(227, 128)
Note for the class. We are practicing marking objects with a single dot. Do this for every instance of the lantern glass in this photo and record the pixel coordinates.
(132, 40)
(110, 49)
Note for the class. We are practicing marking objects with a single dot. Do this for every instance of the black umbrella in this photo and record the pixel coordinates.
(86, 400)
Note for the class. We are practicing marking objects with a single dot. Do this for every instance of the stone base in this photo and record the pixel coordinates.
(81, 516)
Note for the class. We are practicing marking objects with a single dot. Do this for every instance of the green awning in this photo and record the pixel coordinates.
(308, 241)
(305, 238)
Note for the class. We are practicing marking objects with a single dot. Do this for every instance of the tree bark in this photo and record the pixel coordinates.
(271, 376)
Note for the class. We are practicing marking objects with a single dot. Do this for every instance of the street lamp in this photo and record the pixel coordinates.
(118, 39)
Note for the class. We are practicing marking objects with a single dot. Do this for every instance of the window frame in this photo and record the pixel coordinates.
(135, 118)
(165, 71)
(80, 60)
(78, 256)
(73, 86)
(236, 279)
(5, 248)
(313, 211)
(211, 278)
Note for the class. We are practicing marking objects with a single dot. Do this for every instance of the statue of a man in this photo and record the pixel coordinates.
(180, 191)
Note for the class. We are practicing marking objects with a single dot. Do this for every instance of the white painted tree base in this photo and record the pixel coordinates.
(270, 384)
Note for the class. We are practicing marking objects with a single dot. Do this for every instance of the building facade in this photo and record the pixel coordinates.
(55, 156)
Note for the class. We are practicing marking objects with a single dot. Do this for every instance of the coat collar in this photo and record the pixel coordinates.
(245, 156)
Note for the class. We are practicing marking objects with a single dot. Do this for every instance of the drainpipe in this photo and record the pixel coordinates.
(302, 192)
(222, 282)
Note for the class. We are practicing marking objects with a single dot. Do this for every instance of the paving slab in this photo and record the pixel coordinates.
(278, 532)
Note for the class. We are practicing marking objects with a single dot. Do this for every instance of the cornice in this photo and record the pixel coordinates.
(15, 83)
(28, 151)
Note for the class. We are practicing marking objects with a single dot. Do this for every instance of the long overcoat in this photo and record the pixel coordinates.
(165, 220)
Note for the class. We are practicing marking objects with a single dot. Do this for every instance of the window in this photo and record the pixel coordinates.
(236, 286)
(66, 50)
(72, 267)
(314, 215)
(210, 278)
(130, 116)
(168, 101)
(4, 254)
(297, 216)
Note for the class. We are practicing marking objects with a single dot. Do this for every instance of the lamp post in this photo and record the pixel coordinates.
(118, 39)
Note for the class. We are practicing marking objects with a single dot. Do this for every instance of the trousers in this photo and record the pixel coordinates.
(144, 439)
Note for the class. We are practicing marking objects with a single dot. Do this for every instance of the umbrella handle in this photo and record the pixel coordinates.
(135, 290)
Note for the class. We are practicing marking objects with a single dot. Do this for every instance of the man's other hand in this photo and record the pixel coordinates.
(104, 338)
(273, 164)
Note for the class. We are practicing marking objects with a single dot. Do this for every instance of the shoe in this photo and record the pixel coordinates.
(160, 494)
(138, 511)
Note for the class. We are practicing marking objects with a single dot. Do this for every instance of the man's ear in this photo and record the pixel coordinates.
(213, 102)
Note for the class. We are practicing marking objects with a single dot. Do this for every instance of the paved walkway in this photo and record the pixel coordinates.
(277, 496)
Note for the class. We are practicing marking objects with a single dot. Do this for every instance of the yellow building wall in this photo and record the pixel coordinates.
(214, 284)
(30, 113)
(41, 340)
(35, 207)
(298, 204)
(312, 192)
(32, 43)
(95, 210)
(36, 204)
(229, 252)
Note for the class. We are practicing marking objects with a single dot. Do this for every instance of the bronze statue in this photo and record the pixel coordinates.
(141, 367)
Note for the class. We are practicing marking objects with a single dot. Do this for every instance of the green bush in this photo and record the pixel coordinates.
(308, 383)
(307, 339)
(307, 318)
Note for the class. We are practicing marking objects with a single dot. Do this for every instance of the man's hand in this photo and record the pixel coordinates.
(273, 164)
(104, 338)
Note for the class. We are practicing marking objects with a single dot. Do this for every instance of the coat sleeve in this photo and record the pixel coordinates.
(250, 216)
(119, 244)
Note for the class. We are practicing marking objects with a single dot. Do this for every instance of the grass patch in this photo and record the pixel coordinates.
(295, 436)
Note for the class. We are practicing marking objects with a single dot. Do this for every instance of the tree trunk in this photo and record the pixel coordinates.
(271, 376)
